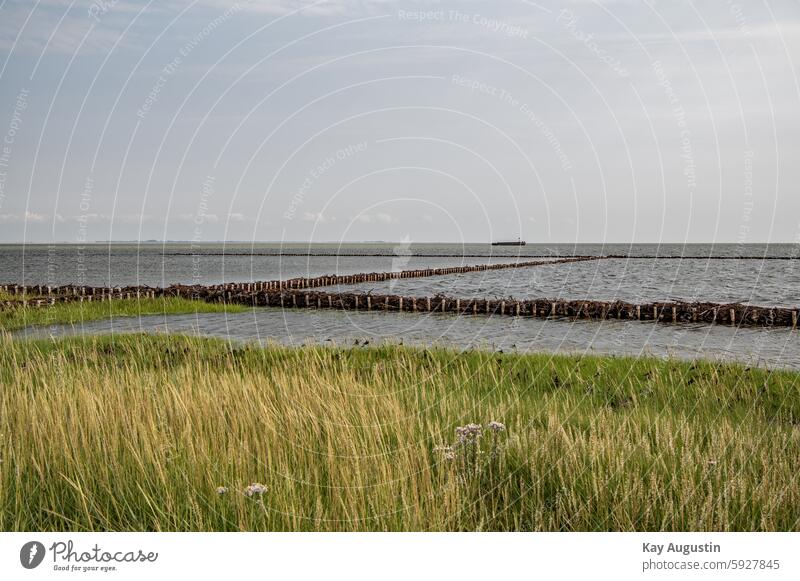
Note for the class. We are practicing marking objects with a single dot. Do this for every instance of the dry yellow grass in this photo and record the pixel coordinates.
(137, 433)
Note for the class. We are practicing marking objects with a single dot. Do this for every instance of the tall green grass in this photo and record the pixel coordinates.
(76, 312)
(137, 432)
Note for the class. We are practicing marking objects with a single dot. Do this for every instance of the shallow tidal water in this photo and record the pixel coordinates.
(773, 348)
(692, 276)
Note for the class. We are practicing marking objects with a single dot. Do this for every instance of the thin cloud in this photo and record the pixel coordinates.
(382, 217)
(30, 217)
(317, 217)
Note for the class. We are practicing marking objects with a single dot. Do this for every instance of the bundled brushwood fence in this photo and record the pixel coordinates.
(664, 312)
(376, 255)
(504, 256)
(39, 295)
(251, 294)
(294, 293)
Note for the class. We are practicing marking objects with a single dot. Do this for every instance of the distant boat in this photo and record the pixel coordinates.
(516, 242)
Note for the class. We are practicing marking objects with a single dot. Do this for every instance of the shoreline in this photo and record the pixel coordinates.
(274, 326)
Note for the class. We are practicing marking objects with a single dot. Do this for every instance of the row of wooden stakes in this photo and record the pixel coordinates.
(292, 293)
(44, 292)
(666, 312)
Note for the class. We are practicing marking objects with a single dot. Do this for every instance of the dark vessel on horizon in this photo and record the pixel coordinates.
(517, 242)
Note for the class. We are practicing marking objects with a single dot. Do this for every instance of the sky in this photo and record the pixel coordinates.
(344, 120)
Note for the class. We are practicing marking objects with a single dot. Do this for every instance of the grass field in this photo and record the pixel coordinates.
(77, 312)
(138, 432)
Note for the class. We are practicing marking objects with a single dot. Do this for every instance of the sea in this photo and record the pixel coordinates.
(758, 274)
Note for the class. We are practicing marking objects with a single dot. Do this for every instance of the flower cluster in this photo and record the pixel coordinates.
(222, 490)
(466, 452)
(255, 489)
(469, 434)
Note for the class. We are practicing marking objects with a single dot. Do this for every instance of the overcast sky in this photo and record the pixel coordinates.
(581, 121)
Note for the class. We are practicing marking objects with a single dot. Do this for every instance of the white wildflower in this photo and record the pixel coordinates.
(255, 489)
(469, 433)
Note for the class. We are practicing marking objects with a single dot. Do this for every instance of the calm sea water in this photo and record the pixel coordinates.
(164, 264)
(755, 280)
(761, 282)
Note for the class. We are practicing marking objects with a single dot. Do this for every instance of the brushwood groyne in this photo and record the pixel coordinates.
(45, 294)
(665, 312)
(735, 314)
(298, 293)
(200, 253)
